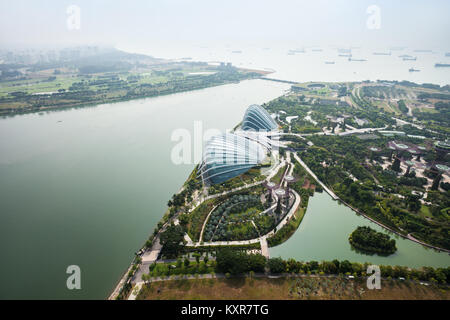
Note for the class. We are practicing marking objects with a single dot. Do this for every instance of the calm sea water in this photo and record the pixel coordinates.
(310, 66)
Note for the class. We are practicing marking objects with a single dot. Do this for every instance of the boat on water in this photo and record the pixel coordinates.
(353, 59)
(442, 65)
(294, 51)
(329, 62)
(413, 70)
(343, 50)
(396, 48)
(410, 59)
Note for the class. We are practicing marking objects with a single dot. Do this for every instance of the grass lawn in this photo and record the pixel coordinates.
(425, 211)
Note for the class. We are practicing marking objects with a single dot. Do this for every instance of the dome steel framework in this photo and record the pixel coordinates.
(256, 118)
(229, 155)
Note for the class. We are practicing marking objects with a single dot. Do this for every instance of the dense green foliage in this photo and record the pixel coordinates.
(232, 219)
(402, 106)
(252, 175)
(198, 216)
(367, 239)
(172, 240)
(238, 262)
(373, 190)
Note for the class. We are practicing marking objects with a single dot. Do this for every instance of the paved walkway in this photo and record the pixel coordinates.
(206, 220)
(246, 186)
(152, 255)
(335, 197)
(256, 240)
(264, 247)
(134, 293)
(272, 232)
(270, 176)
(331, 193)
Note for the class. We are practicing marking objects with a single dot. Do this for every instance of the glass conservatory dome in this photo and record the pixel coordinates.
(229, 155)
(258, 119)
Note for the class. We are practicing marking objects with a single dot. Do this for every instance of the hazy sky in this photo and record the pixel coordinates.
(419, 24)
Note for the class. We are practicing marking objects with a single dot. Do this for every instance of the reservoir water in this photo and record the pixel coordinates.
(87, 186)
(324, 231)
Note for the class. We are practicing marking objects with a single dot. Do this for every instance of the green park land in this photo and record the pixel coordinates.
(108, 77)
(341, 131)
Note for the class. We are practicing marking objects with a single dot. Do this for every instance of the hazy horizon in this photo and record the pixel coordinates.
(43, 24)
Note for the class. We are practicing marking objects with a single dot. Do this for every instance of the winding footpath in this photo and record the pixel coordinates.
(150, 256)
(335, 197)
(262, 239)
(331, 193)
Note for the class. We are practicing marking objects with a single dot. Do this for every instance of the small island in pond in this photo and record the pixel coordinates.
(368, 240)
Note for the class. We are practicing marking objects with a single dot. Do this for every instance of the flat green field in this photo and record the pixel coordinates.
(311, 288)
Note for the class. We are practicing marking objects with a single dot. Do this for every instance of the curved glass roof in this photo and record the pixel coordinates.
(256, 118)
(229, 155)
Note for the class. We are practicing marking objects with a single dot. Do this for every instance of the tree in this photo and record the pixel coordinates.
(172, 241)
(186, 262)
(328, 267)
(197, 257)
(396, 165)
(184, 220)
(238, 262)
(313, 265)
(436, 181)
(345, 266)
(368, 239)
(232, 261)
(256, 263)
(276, 265)
(202, 268)
(413, 202)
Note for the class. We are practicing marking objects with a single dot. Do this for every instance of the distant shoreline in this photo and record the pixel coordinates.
(21, 111)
